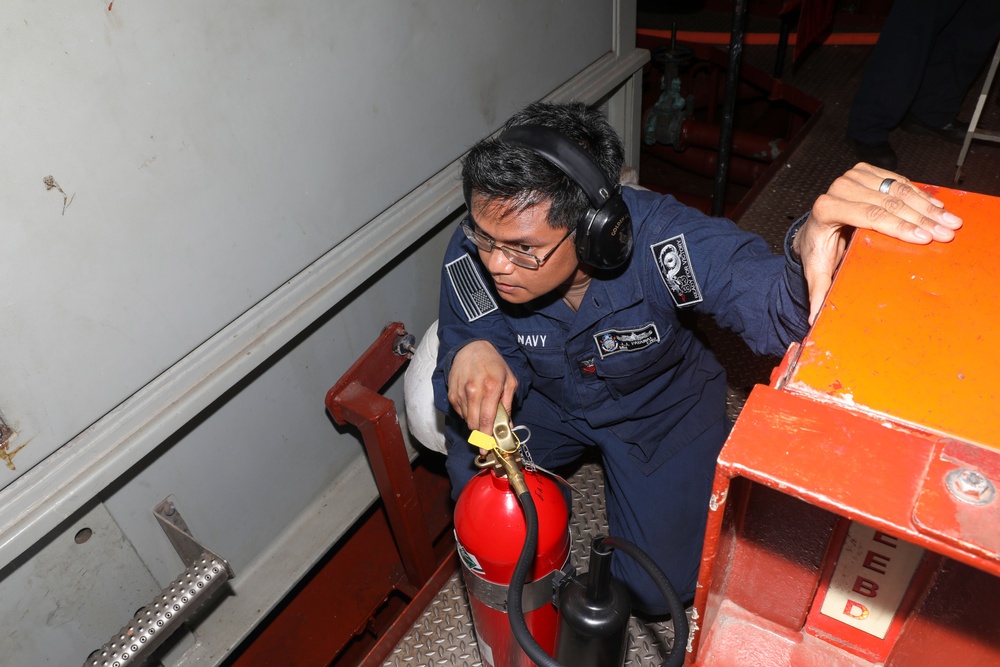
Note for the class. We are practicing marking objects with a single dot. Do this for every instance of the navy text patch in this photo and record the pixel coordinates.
(532, 340)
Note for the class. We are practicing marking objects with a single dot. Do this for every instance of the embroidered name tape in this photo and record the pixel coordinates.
(613, 341)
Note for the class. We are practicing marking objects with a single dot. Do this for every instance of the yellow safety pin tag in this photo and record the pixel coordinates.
(482, 441)
(503, 439)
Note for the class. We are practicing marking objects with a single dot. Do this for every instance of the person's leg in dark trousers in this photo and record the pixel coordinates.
(663, 513)
(895, 69)
(894, 73)
(960, 52)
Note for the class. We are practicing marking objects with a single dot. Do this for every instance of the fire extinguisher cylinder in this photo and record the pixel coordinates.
(595, 608)
(594, 614)
(492, 530)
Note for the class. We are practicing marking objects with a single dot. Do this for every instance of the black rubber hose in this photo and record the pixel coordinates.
(515, 609)
(677, 616)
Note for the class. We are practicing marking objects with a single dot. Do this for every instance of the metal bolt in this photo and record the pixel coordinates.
(405, 345)
(970, 486)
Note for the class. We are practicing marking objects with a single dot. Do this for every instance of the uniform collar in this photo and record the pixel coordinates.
(609, 292)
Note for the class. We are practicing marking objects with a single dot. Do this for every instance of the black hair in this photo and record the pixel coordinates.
(516, 178)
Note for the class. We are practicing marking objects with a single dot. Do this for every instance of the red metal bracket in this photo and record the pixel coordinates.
(354, 399)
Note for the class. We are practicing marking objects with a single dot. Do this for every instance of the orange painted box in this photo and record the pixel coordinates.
(854, 517)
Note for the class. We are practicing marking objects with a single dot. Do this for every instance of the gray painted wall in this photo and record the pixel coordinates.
(210, 210)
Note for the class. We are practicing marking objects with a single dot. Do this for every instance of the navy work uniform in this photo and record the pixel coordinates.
(625, 375)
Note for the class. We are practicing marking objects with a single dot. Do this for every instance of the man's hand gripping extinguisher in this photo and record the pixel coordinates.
(507, 606)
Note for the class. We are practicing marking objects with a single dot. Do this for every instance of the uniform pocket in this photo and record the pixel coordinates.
(550, 363)
(627, 372)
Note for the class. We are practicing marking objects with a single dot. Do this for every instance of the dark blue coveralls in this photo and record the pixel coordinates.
(625, 375)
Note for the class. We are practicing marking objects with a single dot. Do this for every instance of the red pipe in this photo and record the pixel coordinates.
(703, 204)
(702, 161)
(746, 144)
(761, 39)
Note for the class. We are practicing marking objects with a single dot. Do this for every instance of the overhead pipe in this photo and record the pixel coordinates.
(729, 106)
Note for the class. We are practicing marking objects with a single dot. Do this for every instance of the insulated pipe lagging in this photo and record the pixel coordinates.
(515, 610)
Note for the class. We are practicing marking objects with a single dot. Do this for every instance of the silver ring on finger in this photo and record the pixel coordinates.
(886, 184)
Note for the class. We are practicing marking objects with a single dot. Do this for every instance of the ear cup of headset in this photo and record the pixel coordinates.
(604, 236)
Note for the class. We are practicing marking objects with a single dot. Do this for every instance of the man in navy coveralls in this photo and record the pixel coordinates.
(590, 356)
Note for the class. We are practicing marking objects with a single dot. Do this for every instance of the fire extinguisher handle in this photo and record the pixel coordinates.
(503, 432)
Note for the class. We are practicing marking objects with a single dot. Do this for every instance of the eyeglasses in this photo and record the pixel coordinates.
(519, 257)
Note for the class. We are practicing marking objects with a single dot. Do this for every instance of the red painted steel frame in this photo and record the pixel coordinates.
(894, 387)
(355, 400)
(361, 601)
(346, 611)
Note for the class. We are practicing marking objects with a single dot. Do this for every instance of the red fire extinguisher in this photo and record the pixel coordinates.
(490, 529)
(512, 529)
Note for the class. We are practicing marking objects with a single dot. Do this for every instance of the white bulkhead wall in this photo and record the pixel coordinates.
(210, 211)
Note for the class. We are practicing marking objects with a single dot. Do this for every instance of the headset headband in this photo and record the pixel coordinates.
(604, 232)
(565, 154)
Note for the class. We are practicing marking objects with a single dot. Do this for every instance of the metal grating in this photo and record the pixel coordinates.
(832, 74)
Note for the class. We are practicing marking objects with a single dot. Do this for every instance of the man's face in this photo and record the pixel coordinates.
(530, 232)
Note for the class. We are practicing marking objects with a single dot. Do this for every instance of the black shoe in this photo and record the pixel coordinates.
(879, 153)
(953, 132)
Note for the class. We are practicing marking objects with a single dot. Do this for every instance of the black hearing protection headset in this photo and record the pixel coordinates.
(604, 233)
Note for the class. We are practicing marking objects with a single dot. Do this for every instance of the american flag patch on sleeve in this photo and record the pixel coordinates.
(470, 288)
